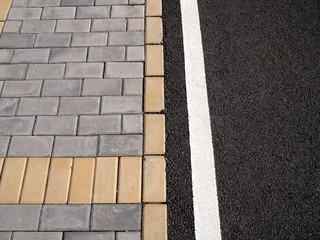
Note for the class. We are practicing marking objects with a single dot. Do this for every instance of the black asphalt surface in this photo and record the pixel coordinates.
(263, 74)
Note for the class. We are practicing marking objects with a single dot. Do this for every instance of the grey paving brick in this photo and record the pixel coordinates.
(1, 85)
(133, 87)
(116, 217)
(8, 106)
(108, 25)
(89, 236)
(121, 104)
(65, 218)
(136, 24)
(58, 13)
(12, 27)
(84, 70)
(56, 125)
(24, 13)
(79, 105)
(75, 146)
(59, 55)
(89, 125)
(126, 38)
(5, 236)
(135, 53)
(124, 70)
(31, 55)
(102, 87)
(111, 2)
(89, 39)
(57, 88)
(8, 40)
(6, 55)
(19, 217)
(77, 2)
(128, 235)
(38, 106)
(21, 89)
(98, 54)
(30, 146)
(45, 71)
(4, 143)
(38, 26)
(13, 72)
(37, 236)
(132, 124)
(73, 25)
(137, 1)
(120, 145)
(44, 3)
(53, 40)
(127, 11)
(19, 3)
(93, 12)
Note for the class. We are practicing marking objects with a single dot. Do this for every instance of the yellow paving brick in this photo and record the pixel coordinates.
(154, 30)
(35, 181)
(4, 9)
(1, 26)
(154, 222)
(130, 172)
(154, 136)
(105, 183)
(154, 94)
(11, 180)
(154, 179)
(1, 164)
(58, 181)
(154, 60)
(82, 181)
(153, 8)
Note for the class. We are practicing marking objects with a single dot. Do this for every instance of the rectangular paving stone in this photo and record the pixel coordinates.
(126, 38)
(21, 89)
(116, 217)
(19, 217)
(44, 3)
(136, 24)
(45, 71)
(132, 124)
(137, 1)
(31, 55)
(65, 218)
(16, 125)
(24, 13)
(130, 180)
(4, 6)
(154, 8)
(73, 25)
(11, 40)
(75, 146)
(77, 2)
(120, 145)
(133, 87)
(11, 182)
(13, 72)
(105, 187)
(124, 70)
(154, 32)
(35, 181)
(93, 12)
(53, 40)
(19, 3)
(56, 125)
(57, 88)
(38, 106)
(8, 106)
(102, 87)
(154, 222)
(84, 70)
(121, 104)
(82, 181)
(135, 54)
(108, 25)
(79, 105)
(90, 125)
(59, 55)
(154, 134)
(89, 39)
(58, 13)
(12, 26)
(106, 54)
(5, 236)
(128, 235)
(154, 94)
(38, 26)
(59, 181)
(4, 143)
(127, 11)
(154, 64)
(111, 2)
(6, 55)
(88, 236)
(37, 236)
(31, 146)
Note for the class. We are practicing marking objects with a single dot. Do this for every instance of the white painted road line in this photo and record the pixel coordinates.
(206, 210)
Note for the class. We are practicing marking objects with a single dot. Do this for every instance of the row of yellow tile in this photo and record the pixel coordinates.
(4, 9)
(82, 180)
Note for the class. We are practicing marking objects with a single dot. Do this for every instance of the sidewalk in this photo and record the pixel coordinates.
(81, 131)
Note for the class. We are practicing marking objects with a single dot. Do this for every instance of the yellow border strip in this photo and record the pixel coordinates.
(4, 10)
